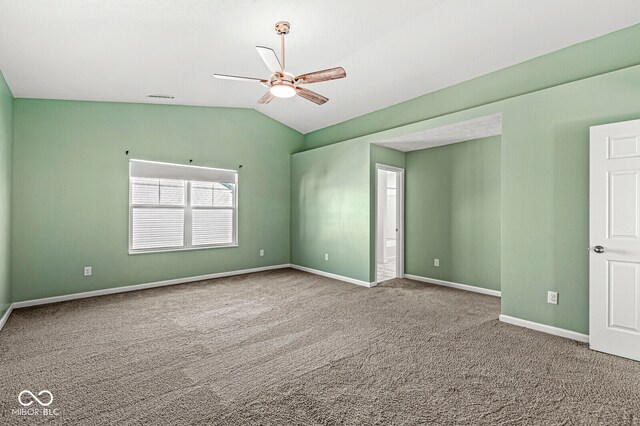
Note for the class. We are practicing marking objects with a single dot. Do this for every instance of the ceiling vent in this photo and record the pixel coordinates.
(160, 96)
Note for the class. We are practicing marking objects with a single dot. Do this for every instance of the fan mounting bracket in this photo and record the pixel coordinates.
(282, 28)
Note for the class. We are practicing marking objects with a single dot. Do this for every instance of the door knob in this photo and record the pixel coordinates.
(598, 249)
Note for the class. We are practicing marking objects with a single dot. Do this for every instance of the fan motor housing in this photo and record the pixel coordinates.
(282, 78)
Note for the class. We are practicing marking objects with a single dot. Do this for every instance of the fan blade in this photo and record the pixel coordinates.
(270, 59)
(236, 78)
(325, 75)
(268, 97)
(311, 96)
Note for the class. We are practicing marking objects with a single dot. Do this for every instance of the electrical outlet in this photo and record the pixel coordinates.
(552, 297)
(326, 256)
(436, 262)
(262, 252)
(88, 271)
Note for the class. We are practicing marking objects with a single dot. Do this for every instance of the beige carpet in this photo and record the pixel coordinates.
(285, 347)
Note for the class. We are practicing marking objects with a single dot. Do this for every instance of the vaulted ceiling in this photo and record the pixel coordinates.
(124, 50)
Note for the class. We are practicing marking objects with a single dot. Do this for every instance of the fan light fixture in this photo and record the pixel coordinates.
(282, 84)
(282, 91)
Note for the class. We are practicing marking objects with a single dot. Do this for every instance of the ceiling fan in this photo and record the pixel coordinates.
(281, 84)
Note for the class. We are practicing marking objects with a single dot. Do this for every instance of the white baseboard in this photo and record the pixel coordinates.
(5, 317)
(545, 328)
(459, 286)
(334, 276)
(137, 287)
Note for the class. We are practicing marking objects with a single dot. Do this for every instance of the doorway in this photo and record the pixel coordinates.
(389, 222)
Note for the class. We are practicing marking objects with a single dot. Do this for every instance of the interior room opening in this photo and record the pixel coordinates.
(388, 223)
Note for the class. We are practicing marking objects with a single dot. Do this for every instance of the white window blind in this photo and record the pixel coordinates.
(212, 194)
(166, 192)
(157, 228)
(212, 226)
(176, 207)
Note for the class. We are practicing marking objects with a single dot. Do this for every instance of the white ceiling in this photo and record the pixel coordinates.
(476, 128)
(123, 50)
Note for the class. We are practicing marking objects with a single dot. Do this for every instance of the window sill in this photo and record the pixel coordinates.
(169, 250)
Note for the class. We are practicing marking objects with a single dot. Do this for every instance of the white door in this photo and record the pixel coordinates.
(389, 212)
(614, 239)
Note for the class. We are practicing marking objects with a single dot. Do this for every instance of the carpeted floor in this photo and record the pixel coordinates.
(286, 347)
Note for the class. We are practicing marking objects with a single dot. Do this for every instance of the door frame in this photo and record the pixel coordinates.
(399, 218)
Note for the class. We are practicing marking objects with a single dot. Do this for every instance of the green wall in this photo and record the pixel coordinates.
(544, 188)
(545, 193)
(70, 206)
(611, 52)
(452, 213)
(6, 143)
(330, 210)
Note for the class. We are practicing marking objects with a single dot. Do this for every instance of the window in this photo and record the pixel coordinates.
(176, 207)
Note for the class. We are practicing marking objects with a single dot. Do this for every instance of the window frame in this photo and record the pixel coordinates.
(188, 222)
